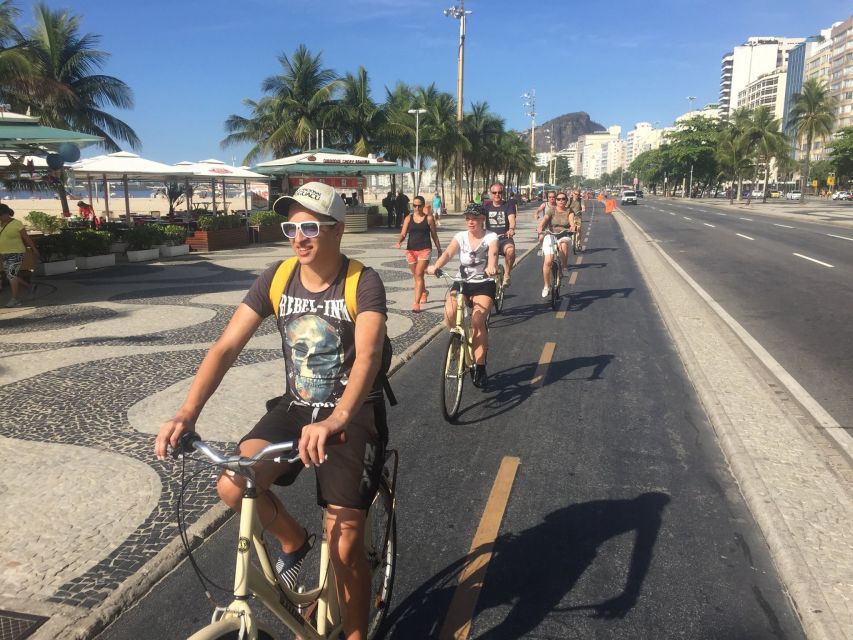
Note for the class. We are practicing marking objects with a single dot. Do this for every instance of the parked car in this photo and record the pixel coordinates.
(841, 195)
(794, 195)
(629, 197)
(757, 194)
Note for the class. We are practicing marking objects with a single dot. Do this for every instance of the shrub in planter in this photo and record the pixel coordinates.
(174, 235)
(215, 223)
(56, 247)
(372, 209)
(43, 222)
(144, 237)
(261, 218)
(87, 242)
(116, 230)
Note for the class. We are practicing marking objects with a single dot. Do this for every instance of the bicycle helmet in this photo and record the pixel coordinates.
(474, 209)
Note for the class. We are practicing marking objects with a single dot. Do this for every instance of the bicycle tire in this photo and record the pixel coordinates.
(499, 290)
(452, 378)
(383, 562)
(555, 282)
(235, 635)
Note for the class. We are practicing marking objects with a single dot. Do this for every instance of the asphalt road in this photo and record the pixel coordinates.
(788, 283)
(623, 520)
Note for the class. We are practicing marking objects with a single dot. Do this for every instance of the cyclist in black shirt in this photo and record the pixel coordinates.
(501, 219)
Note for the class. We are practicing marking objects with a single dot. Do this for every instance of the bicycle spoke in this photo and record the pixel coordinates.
(453, 377)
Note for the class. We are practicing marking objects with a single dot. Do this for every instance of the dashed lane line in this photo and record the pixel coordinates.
(743, 236)
(747, 219)
(832, 235)
(786, 226)
(457, 624)
(564, 306)
(544, 362)
(713, 226)
(686, 218)
(825, 264)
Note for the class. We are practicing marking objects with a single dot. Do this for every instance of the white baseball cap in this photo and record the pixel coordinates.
(317, 197)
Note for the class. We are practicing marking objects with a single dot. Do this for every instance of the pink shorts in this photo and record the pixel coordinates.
(414, 255)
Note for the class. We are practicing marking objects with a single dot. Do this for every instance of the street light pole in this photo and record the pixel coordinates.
(690, 190)
(417, 113)
(460, 14)
(530, 101)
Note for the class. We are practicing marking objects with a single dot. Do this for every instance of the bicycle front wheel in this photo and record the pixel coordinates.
(499, 290)
(381, 556)
(555, 282)
(452, 378)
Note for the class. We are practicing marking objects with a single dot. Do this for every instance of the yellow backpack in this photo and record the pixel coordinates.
(354, 268)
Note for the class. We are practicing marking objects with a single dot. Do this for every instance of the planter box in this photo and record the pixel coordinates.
(57, 267)
(218, 239)
(267, 233)
(95, 262)
(142, 255)
(375, 220)
(169, 251)
(118, 247)
(356, 222)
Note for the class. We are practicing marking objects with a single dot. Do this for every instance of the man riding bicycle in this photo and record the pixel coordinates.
(501, 220)
(332, 361)
(560, 221)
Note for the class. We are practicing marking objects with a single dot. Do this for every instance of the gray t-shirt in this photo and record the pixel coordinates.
(317, 333)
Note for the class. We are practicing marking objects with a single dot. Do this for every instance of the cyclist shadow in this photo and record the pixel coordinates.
(598, 249)
(508, 388)
(533, 571)
(580, 300)
(514, 315)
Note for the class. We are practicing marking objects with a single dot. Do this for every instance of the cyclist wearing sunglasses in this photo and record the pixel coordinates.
(550, 203)
(561, 221)
(478, 263)
(501, 219)
(331, 366)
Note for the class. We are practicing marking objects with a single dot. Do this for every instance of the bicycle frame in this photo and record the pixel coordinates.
(261, 583)
(463, 329)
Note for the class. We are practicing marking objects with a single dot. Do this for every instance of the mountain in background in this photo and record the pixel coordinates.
(565, 129)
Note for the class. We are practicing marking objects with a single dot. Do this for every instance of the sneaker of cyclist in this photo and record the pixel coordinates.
(561, 221)
(577, 207)
(478, 258)
(500, 218)
(550, 203)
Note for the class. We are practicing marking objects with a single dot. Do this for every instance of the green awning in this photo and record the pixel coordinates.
(312, 169)
(25, 136)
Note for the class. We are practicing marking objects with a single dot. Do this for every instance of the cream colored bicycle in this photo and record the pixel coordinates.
(311, 612)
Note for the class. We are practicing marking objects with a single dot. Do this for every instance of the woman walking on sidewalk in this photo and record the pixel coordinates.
(14, 242)
(420, 227)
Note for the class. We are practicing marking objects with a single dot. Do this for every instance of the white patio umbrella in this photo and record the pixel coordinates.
(214, 170)
(125, 166)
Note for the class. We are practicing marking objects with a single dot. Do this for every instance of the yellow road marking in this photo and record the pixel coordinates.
(544, 361)
(564, 307)
(457, 624)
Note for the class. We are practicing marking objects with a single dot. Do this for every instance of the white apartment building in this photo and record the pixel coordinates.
(745, 63)
(602, 152)
(767, 90)
(710, 111)
(841, 72)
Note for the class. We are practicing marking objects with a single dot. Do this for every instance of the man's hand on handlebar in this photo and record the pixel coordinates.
(315, 438)
(170, 433)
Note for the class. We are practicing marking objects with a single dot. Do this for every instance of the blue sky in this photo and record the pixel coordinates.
(191, 62)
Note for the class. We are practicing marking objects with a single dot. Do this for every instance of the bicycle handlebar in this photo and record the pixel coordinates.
(439, 273)
(191, 440)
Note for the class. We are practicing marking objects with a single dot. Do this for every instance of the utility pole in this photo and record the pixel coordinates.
(460, 14)
(530, 102)
(417, 113)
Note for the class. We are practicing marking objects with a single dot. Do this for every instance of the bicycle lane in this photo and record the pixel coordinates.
(622, 510)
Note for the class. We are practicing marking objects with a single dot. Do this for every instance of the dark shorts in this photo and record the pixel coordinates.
(469, 289)
(350, 475)
(503, 242)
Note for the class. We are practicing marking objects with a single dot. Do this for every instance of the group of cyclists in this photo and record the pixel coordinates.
(331, 313)
(560, 214)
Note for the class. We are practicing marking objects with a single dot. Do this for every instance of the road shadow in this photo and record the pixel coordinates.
(580, 300)
(599, 249)
(511, 315)
(508, 388)
(533, 571)
(588, 265)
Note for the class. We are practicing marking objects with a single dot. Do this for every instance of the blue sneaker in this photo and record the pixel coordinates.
(288, 565)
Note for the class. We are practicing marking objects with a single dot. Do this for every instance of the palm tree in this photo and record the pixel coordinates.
(764, 135)
(62, 90)
(356, 115)
(257, 129)
(482, 130)
(397, 132)
(813, 115)
(13, 61)
(734, 158)
(441, 136)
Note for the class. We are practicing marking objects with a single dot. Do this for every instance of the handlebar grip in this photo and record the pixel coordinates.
(185, 444)
(439, 273)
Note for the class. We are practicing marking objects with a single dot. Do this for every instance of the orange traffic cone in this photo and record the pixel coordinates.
(609, 206)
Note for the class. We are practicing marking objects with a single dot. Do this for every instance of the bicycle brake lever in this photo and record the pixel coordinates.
(185, 444)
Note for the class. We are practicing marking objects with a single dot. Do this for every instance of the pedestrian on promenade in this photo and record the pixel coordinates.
(332, 361)
(14, 242)
(419, 225)
(389, 202)
(436, 208)
(401, 207)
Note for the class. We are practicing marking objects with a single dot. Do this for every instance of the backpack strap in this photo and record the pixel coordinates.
(354, 270)
(279, 282)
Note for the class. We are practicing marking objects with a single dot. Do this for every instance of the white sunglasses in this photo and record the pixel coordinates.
(309, 228)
